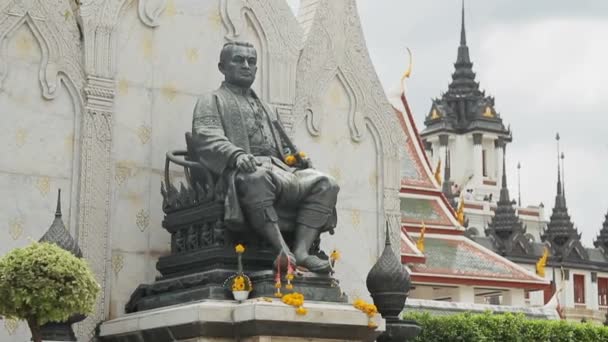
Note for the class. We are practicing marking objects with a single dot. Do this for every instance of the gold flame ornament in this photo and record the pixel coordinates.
(438, 172)
(407, 72)
(542, 262)
(420, 242)
(460, 212)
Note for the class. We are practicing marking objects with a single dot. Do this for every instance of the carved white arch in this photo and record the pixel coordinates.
(60, 49)
(60, 63)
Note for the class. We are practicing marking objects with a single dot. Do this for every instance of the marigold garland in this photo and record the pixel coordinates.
(296, 300)
(369, 309)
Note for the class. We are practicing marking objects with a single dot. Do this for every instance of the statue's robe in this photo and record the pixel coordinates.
(221, 132)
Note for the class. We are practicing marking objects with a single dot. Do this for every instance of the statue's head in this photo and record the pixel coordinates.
(238, 63)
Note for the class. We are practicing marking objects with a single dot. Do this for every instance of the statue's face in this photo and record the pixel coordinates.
(239, 66)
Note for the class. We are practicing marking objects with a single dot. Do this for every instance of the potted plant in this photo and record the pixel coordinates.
(43, 283)
(239, 284)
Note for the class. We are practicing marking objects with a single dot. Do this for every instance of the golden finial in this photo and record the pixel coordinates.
(460, 212)
(407, 72)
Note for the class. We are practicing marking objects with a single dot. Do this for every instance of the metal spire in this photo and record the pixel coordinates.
(559, 177)
(563, 175)
(463, 34)
(519, 184)
(58, 210)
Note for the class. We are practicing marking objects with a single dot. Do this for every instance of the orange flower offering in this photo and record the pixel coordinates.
(369, 309)
(290, 160)
(335, 255)
(302, 155)
(296, 300)
(239, 249)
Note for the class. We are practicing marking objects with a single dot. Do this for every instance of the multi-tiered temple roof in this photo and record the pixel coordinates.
(506, 230)
(464, 108)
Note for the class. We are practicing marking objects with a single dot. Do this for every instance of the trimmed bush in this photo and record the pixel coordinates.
(487, 327)
(43, 283)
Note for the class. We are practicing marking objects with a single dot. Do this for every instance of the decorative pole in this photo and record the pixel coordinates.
(519, 184)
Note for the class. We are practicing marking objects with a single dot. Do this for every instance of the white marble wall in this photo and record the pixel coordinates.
(160, 55)
(40, 141)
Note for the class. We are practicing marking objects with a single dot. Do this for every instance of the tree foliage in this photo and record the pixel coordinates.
(43, 283)
(487, 327)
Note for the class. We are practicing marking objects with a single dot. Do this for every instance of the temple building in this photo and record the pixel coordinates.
(465, 139)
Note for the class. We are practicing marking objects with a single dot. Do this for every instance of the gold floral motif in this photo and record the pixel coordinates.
(24, 44)
(336, 173)
(20, 137)
(123, 87)
(15, 228)
(11, 325)
(373, 179)
(169, 91)
(66, 15)
(170, 10)
(44, 185)
(215, 19)
(142, 219)
(123, 170)
(144, 133)
(355, 217)
(118, 262)
(69, 142)
(147, 46)
(192, 54)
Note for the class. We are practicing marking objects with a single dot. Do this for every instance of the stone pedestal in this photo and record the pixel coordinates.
(252, 320)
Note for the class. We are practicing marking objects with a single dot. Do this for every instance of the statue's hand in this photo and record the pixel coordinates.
(306, 164)
(246, 163)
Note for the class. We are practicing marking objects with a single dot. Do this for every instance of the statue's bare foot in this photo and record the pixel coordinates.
(315, 264)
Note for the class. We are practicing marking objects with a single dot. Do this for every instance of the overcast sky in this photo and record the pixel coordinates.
(545, 62)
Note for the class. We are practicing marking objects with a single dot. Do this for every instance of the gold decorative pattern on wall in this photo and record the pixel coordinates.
(11, 325)
(435, 114)
(215, 19)
(118, 262)
(147, 45)
(123, 170)
(68, 142)
(24, 44)
(192, 54)
(170, 9)
(142, 219)
(20, 137)
(123, 87)
(169, 91)
(144, 132)
(373, 179)
(15, 228)
(43, 184)
(355, 217)
(336, 173)
(66, 15)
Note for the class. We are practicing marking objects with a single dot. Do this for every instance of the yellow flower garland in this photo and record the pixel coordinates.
(296, 300)
(369, 309)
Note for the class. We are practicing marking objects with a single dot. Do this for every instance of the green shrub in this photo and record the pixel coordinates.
(487, 327)
(43, 283)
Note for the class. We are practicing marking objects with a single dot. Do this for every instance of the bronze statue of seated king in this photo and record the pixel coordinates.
(269, 186)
